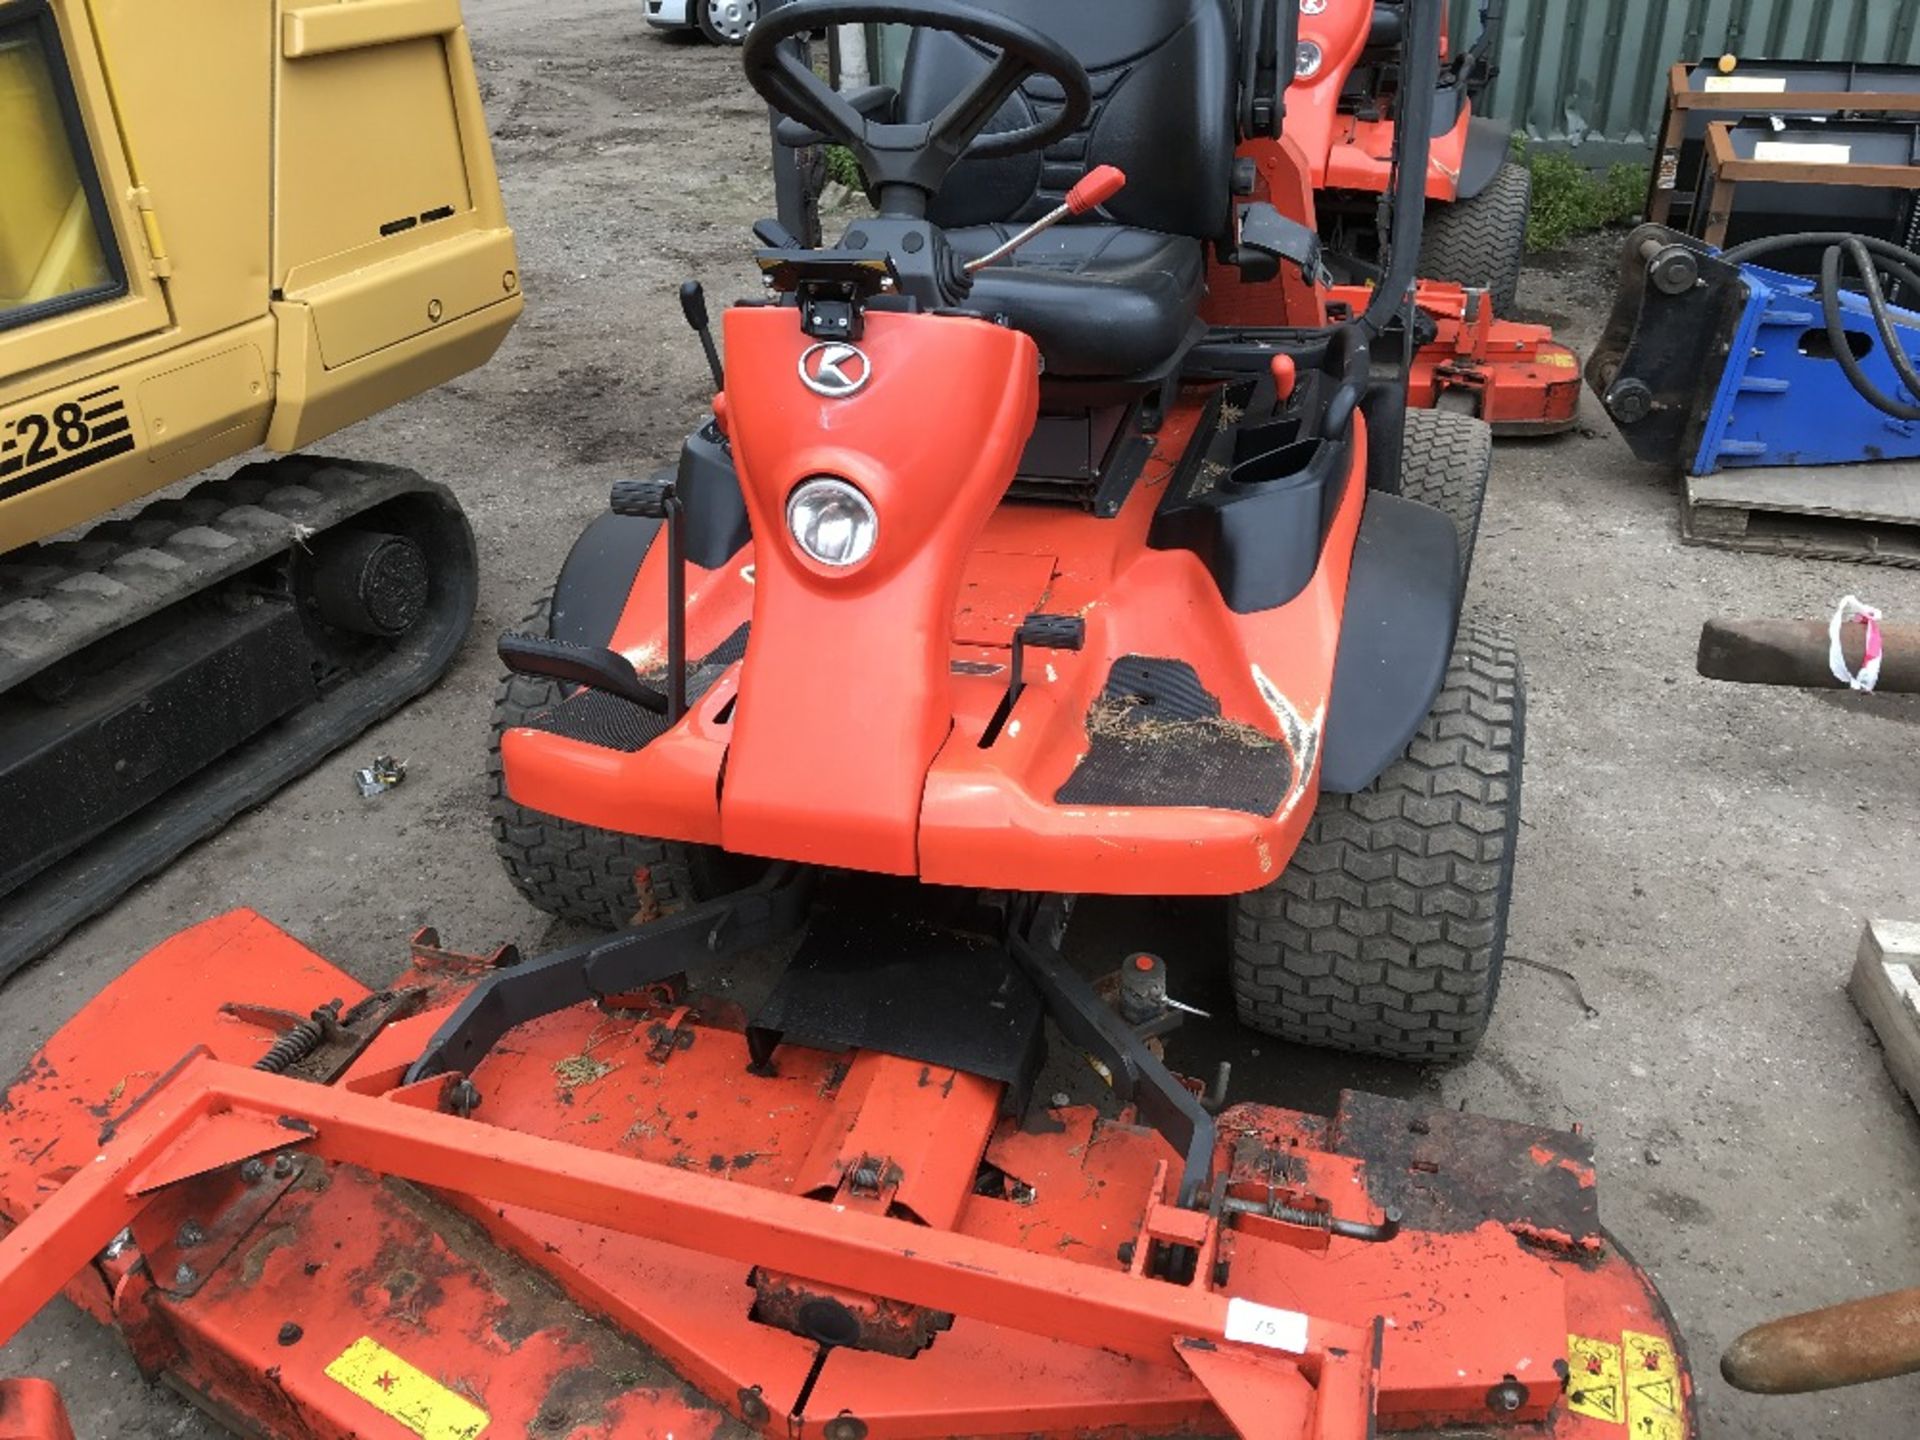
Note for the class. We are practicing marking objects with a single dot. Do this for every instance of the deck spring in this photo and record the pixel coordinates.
(299, 1042)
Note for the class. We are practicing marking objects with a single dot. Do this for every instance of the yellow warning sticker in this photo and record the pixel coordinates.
(394, 1388)
(1559, 360)
(1594, 1388)
(1653, 1388)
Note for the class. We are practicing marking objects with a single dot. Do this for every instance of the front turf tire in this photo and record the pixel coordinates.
(1386, 933)
(577, 872)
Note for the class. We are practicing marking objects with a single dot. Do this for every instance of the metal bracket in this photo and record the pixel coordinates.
(614, 965)
(1139, 1079)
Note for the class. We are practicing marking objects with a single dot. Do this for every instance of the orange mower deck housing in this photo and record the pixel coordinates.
(617, 1238)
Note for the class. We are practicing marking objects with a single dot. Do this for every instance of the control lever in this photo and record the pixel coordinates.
(1095, 189)
(1041, 632)
(693, 303)
(659, 500)
(1286, 378)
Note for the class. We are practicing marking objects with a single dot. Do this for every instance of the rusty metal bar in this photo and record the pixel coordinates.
(196, 1108)
(1794, 654)
(1744, 101)
(1728, 170)
(1854, 1344)
(1683, 100)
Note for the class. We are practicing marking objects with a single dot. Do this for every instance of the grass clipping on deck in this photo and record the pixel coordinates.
(1129, 721)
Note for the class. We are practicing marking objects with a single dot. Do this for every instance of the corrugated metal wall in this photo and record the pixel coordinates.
(1592, 74)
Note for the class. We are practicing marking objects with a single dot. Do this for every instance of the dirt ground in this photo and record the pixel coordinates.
(1701, 858)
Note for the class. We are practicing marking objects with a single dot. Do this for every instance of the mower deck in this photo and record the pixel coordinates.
(1514, 376)
(288, 1252)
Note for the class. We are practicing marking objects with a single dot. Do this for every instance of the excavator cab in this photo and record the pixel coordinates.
(52, 258)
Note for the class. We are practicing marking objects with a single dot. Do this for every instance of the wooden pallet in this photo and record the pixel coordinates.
(1864, 513)
(1886, 989)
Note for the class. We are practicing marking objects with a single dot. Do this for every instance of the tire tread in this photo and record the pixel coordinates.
(1385, 935)
(574, 872)
(1447, 462)
(1482, 242)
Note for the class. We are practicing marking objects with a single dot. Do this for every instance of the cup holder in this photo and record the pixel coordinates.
(1272, 453)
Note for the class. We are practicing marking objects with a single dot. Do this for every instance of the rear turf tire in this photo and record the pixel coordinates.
(1446, 461)
(577, 872)
(1482, 242)
(1386, 934)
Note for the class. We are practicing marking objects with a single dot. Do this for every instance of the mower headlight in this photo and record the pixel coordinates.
(832, 522)
(1307, 63)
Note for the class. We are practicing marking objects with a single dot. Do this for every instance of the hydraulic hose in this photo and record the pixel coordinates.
(1869, 256)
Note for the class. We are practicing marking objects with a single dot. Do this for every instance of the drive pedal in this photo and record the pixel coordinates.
(1037, 632)
(545, 658)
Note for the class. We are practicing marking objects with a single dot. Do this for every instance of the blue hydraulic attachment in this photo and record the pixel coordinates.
(1713, 366)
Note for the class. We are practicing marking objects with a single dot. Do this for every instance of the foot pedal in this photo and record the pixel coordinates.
(598, 669)
(643, 499)
(1041, 632)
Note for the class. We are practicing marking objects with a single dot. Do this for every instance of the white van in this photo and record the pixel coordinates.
(724, 22)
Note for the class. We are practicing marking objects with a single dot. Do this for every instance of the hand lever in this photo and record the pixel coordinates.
(693, 304)
(1095, 189)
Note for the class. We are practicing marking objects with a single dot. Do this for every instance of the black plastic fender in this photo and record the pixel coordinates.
(1385, 409)
(599, 575)
(1489, 146)
(1403, 609)
(591, 594)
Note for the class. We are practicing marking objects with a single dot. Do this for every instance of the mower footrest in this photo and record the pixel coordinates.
(1158, 741)
(610, 722)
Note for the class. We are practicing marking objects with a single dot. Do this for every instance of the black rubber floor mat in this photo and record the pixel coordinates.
(1159, 741)
(704, 673)
(1160, 689)
(595, 718)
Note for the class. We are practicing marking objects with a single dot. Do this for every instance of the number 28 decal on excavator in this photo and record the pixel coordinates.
(52, 442)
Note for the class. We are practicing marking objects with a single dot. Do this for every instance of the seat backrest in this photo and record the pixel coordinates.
(1165, 83)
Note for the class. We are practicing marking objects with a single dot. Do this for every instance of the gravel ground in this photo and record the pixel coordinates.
(1702, 858)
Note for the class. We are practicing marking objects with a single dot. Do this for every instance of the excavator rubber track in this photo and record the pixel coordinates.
(164, 672)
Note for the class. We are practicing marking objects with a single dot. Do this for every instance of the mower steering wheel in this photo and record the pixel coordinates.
(918, 156)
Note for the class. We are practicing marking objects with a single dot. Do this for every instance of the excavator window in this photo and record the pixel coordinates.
(55, 248)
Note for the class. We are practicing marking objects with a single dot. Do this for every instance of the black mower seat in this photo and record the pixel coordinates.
(1114, 296)
(1101, 301)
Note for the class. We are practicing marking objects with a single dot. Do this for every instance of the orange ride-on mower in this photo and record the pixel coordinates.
(1348, 96)
(1339, 121)
(997, 578)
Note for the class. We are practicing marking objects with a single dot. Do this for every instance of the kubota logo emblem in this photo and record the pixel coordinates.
(836, 371)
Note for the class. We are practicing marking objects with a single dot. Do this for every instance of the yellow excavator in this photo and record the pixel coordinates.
(222, 227)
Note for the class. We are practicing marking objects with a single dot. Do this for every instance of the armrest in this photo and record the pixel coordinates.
(876, 102)
(1266, 237)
